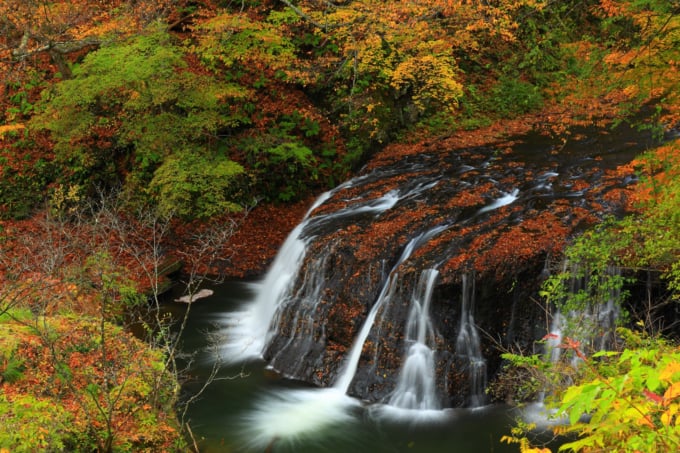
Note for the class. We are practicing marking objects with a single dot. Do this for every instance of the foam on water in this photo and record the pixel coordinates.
(410, 416)
(293, 416)
(539, 415)
(506, 199)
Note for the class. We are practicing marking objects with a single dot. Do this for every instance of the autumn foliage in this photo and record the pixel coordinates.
(75, 375)
(278, 100)
(198, 110)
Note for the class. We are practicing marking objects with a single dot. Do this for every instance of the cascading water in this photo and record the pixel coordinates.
(386, 295)
(416, 388)
(297, 413)
(505, 200)
(469, 346)
(593, 326)
(346, 305)
(249, 329)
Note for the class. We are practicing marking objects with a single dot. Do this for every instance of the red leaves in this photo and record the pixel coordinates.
(653, 396)
(574, 345)
(258, 239)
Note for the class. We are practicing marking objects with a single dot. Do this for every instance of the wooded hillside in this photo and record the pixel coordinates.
(205, 107)
(135, 135)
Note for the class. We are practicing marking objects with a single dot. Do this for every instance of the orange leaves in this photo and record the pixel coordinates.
(671, 393)
(609, 8)
(621, 59)
(63, 364)
(661, 167)
(9, 128)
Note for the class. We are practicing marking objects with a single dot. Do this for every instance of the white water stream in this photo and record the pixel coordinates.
(386, 295)
(468, 344)
(593, 326)
(293, 415)
(248, 329)
(416, 386)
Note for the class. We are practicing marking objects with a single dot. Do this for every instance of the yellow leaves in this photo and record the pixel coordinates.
(670, 371)
(236, 40)
(670, 416)
(8, 128)
(524, 446)
(631, 91)
(432, 80)
(671, 392)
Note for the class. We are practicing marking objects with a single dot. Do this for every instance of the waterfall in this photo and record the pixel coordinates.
(386, 294)
(249, 330)
(416, 383)
(593, 326)
(554, 338)
(468, 345)
(296, 414)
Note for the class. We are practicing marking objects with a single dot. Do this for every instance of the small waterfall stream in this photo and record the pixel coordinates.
(350, 367)
(416, 387)
(468, 344)
(593, 326)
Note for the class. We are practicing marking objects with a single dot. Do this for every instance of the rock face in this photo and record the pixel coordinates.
(487, 220)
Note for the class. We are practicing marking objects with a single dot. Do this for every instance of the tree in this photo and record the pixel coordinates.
(110, 390)
(136, 107)
(60, 28)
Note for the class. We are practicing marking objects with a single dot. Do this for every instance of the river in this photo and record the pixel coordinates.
(226, 417)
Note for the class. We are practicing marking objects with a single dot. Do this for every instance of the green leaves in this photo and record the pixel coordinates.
(283, 168)
(234, 43)
(130, 107)
(30, 423)
(192, 184)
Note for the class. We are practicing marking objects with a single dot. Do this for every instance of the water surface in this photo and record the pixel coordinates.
(247, 404)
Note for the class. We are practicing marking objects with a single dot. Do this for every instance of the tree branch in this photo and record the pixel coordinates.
(64, 47)
(303, 15)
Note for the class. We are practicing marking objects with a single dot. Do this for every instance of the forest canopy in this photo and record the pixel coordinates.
(281, 99)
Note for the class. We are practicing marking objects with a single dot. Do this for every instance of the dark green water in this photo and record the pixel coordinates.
(230, 414)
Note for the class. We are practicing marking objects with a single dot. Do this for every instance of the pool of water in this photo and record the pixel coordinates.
(248, 408)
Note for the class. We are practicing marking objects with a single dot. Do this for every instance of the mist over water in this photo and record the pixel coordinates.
(297, 417)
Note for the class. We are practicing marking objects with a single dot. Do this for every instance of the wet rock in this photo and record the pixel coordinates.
(499, 215)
